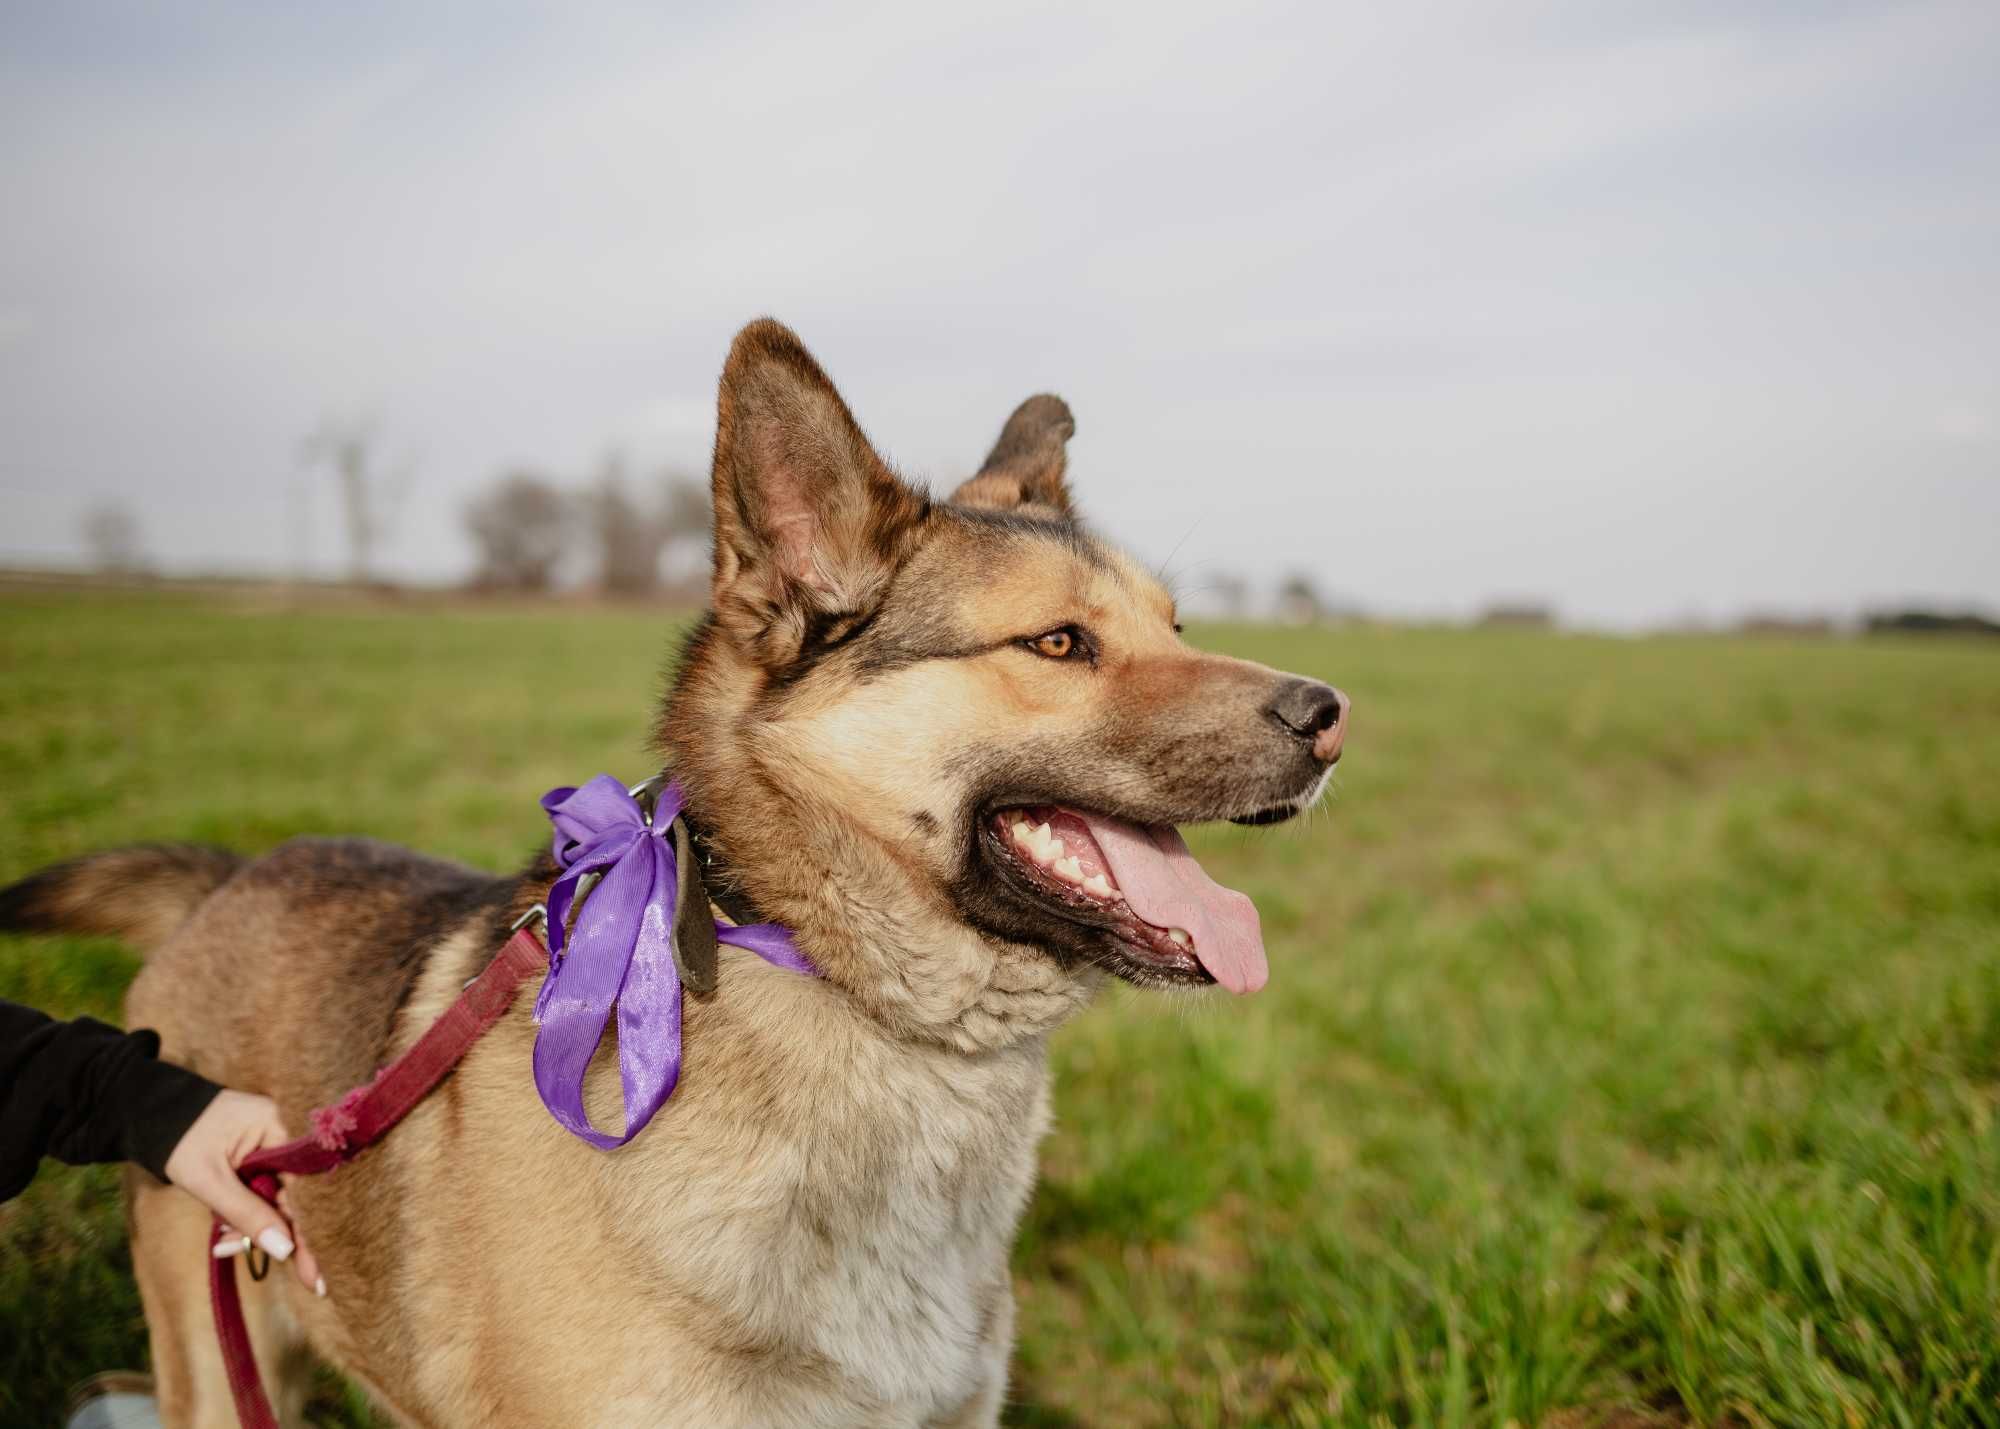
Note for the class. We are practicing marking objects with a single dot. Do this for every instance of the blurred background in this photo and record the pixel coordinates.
(1607, 396)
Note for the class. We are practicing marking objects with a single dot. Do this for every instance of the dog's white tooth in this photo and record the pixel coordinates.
(1056, 849)
(1180, 935)
(1097, 886)
(1068, 869)
(1020, 828)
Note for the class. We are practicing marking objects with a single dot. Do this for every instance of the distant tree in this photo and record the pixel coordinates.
(685, 507)
(628, 540)
(369, 494)
(523, 526)
(1298, 599)
(1232, 595)
(631, 540)
(1930, 622)
(112, 533)
(686, 510)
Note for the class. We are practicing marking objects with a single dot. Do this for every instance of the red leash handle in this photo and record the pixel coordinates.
(346, 1129)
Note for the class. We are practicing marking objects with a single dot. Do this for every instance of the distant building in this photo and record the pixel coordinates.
(1517, 615)
(1795, 627)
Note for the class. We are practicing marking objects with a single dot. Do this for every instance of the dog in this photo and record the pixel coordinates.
(946, 743)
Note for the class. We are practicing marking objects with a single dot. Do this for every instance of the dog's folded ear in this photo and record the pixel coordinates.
(809, 522)
(1026, 466)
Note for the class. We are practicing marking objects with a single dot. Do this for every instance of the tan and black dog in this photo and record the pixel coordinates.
(946, 743)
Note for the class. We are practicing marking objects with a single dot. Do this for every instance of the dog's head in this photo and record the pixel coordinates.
(949, 741)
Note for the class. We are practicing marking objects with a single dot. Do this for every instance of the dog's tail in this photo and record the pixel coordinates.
(141, 894)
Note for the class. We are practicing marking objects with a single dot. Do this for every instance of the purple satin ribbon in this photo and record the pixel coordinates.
(620, 953)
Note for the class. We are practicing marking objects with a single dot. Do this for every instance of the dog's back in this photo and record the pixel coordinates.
(324, 932)
(237, 950)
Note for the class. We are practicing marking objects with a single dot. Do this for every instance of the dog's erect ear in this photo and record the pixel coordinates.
(809, 522)
(1025, 467)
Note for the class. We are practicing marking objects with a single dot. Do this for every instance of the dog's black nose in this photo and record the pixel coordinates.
(1315, 713)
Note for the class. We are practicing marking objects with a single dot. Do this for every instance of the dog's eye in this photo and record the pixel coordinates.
(1057, 644)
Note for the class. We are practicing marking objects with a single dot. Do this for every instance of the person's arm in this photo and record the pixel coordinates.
(84, 1092)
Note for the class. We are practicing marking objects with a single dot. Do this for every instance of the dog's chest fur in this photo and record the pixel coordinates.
(902, 1213)
(815, 1229)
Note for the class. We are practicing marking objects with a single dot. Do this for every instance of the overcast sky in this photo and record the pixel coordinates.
(1645, 309)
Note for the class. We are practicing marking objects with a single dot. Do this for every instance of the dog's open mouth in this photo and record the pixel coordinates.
(1142, 885)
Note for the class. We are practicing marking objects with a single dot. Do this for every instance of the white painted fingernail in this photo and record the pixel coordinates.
(235, 1245)
(319, 1287)
(276, 1243)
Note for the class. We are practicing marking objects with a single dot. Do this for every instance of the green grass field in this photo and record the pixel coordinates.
(1631, 1053)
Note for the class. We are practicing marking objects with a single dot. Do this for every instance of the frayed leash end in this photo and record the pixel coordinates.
(332, 1125)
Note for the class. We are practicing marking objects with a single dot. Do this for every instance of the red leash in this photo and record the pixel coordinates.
(357, 1121)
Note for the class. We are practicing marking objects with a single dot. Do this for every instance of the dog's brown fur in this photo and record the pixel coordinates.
(815, 1230)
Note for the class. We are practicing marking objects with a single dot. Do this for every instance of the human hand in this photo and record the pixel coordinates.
(204, 1164)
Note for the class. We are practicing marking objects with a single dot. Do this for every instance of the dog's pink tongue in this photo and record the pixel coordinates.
(1166, 887)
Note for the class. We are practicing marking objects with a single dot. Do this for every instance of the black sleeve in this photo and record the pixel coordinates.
(82, 1091)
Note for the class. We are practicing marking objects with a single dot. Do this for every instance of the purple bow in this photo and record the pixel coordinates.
(620, 953)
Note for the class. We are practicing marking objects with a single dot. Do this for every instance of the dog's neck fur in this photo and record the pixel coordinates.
(867, 921)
